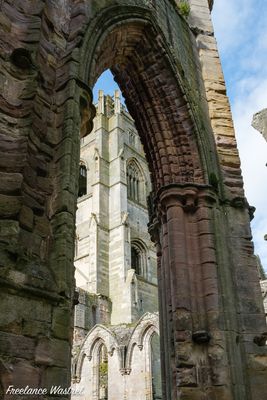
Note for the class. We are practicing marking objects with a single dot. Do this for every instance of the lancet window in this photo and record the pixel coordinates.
(103, 373)
(138, 258)
(82, 180)
(135, 182)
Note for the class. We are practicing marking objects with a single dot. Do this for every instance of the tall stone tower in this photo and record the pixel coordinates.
(165, 60)
(115, 256)
(115, 261)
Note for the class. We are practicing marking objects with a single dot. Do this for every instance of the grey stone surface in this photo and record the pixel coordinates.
(259, 122)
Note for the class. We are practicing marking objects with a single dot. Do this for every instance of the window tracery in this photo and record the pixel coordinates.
(135, 183)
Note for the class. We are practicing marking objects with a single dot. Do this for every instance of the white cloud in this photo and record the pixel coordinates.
(230, 20)
(253, 154)
(240, 29)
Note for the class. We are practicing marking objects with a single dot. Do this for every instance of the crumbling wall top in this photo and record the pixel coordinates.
(211, 2)
(259, 122)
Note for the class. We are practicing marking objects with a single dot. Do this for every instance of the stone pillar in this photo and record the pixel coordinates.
(201, 332)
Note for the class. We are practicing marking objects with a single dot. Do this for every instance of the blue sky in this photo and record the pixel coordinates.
(106, 83)
(241, 31)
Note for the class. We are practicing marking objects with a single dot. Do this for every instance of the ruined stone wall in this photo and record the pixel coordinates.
(107, 221)
(211, 310)
(130, 361)
(92, 309)
(260, 122)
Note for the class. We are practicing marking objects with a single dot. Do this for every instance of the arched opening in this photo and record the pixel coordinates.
(135, 180)
(155, 58)
(106, 258)
(133, 183)
(141, 67)
(139, 258)
(82, 180)
(135, 260)
(102, 372)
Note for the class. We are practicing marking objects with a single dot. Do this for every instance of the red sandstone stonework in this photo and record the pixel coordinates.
(168, 69)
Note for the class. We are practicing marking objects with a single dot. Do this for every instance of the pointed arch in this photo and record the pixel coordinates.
(82, 184)
(156, 94)
(97, 335)
(139, 257)
(143, 331)
(153, 55)
(175, 135)
(136, 185)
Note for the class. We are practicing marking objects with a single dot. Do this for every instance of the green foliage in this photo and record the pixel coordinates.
(184, 8)
(103, 373)
(213, 180)
(103, 368)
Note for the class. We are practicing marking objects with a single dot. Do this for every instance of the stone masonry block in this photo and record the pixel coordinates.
(16, 346)
(61, 323)
(52, 352)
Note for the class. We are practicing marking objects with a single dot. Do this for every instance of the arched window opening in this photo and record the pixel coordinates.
(135, 182)
(82, 180)
(132, 138)
(138, 258)
(103, 373)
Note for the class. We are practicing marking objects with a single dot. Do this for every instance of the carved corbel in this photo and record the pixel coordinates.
(111, 352)
(87, 112)
(241, 203)
(154, 231)
(124, 218)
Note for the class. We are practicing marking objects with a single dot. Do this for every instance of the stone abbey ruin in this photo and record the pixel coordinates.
(116, 350)
(211, 318)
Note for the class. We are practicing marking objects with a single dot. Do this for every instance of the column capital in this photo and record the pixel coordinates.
(187, 196)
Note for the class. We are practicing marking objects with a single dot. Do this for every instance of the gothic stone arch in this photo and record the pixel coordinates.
(211, 314)
(86, 367)
(129, 358)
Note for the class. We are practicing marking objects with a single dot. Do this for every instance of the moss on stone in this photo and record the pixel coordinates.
(184, 8)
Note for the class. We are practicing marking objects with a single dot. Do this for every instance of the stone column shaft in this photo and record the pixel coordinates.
(189, 294)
